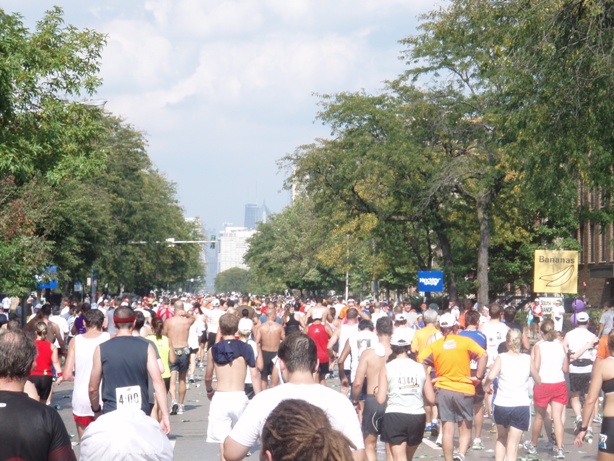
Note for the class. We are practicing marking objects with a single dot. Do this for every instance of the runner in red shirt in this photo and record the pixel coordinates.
(320, 333)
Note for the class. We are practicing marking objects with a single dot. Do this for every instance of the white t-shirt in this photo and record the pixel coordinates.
(405, 384)
(513, 390)
(495, 333)
(346, 331)
(558, 310)
(576, 340)
(213, 319)
(337, 407)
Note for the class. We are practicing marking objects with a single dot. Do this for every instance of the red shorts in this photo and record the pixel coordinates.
(545, 393)
(83, 420)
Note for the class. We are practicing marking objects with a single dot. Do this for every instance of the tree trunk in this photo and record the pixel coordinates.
(446, 252)
(482, 204)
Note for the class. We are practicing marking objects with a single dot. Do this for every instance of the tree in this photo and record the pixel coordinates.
(233, 279)
(45, 136)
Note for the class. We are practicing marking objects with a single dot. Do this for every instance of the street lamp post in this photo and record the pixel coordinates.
(347, 266)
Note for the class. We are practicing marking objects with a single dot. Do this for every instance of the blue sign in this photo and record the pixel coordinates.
(430, 281)
(49, 279)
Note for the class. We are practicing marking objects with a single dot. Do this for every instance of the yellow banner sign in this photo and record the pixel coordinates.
(555, 271)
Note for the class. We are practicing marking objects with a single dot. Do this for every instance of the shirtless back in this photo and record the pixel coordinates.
(229, 359)
(369, 366)
(177, 328)
(53, 331)
(268, 337)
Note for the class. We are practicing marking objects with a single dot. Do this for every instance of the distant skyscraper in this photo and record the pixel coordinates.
(255, 214)
(251, 215)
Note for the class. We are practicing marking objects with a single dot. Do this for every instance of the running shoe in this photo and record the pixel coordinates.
(597, 419)
(560, 454)
(434, 430)
(493, 428)
(577, 425)
(477, 444)
(180, 409)
(428, 427)
(550, 446)
(439, 441)
(529, 447)
(458, 457)
(174, 407)
(191, 379)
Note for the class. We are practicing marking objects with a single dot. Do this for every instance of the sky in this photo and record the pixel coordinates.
(224, 89)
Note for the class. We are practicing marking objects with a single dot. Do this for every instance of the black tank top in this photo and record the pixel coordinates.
(124, 364)
(292, 324)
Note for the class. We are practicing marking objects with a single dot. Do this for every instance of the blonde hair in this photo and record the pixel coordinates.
(513, 339)
(547, 328)
(41, 329)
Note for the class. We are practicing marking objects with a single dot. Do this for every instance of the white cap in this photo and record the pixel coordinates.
(447, 320)
(317, 314)
(245, 325)
(401, 337)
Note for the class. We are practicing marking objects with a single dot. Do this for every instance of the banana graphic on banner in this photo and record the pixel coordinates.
(555, 272)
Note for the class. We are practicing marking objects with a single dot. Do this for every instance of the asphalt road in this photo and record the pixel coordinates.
(188, 432)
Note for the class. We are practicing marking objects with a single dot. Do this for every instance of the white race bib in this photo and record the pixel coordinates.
(128, 397)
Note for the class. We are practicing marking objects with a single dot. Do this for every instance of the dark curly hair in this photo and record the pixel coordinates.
(299, 431)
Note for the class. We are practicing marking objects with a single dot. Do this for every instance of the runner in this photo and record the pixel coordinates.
(451, 357)
(580, 343)
(78, 367)
(550, 359)
(512, 413)
(29, 430)
(472, 319)
(268, 337)
(123, 365)
(403, 387)
(47, 362)
(228, 360)
(166, 352)
(321, 333)
(298, 360)
(177, 328)
(418, 344)
(309, 430)
(602, 380)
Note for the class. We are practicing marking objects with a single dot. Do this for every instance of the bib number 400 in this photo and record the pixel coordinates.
(128, 397)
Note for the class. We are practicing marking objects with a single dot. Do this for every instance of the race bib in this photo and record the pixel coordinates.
(128, 397)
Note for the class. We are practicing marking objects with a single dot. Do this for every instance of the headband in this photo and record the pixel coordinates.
(125, 320)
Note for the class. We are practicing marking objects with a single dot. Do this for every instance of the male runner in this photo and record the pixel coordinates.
(123, 364)
(371, 362)
(177, 328)
(268, 337)
(298, 361)
(229, 360)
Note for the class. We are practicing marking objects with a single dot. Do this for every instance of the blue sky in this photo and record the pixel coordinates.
(224, 88)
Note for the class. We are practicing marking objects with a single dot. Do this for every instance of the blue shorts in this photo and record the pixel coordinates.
(518, 417)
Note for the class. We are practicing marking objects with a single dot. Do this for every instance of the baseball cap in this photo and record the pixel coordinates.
(582, 317)
(317, 314)
(245, 325)
(447, 320)
(215, 302)
(400, 318)
(400, 337)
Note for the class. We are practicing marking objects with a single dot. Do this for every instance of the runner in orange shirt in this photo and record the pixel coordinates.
(451, 357)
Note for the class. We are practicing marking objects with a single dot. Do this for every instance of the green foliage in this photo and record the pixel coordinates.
(234, 279)
(76, 184)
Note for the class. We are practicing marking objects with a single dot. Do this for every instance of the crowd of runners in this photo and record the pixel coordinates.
(404, 372)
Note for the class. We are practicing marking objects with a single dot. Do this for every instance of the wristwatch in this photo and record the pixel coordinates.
(98, 410)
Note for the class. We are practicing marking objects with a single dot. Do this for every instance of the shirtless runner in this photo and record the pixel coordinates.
(229, 360)
(177, 328)
(268, 337)
(371, 362)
